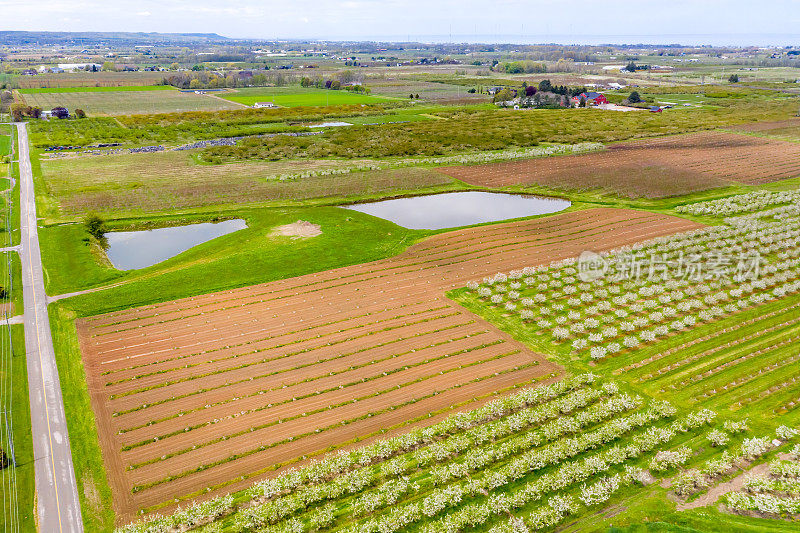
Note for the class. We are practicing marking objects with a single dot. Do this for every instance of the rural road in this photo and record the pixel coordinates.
(56, 490)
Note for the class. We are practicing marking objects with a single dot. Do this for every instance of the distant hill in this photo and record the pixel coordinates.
(61, 37)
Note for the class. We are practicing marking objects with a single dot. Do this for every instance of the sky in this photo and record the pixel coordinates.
(629, 21)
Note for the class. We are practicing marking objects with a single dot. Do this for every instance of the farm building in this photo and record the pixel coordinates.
(591, 98)
(259, 105)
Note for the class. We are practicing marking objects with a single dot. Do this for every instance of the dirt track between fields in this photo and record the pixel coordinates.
(656, 168)
(180, 387)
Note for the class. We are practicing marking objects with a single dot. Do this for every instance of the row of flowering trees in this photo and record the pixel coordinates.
(567, 475)
(498, 417)
(776, 493)
(473, 450)
(698, 479)
(645, 292)
(574, 467)
(183, 519)
(742, 203)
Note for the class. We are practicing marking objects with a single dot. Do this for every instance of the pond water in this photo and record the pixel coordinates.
(450, 210)
(129, 250)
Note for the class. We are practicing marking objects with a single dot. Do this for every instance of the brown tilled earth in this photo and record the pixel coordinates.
(668, 166)
(767, 126)
(215, 390)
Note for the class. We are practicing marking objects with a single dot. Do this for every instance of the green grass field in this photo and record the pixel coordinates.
(242, 258)
(5, 144)
(105, 101)
(299, 96)
(388, 119)
(680, 99)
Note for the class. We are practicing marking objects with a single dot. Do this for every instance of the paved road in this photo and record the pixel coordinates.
(56, 490)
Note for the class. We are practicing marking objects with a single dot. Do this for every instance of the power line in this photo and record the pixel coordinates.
(10, 491)
(9, 293)
(4, 436)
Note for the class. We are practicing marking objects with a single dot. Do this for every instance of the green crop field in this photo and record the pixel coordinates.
(126, 102)
(300, 96)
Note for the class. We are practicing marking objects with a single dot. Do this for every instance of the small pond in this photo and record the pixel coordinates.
(129, 250)
(450, 210)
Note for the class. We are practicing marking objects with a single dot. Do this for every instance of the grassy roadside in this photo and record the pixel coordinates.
(15, 299)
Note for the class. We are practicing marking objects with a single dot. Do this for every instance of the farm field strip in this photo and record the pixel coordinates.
(738, 327)
(228, 378)
(189, 476)
(127, 102)
(356, 373)
(741, 344)
(293, 96)
(715, 157)
(454, 318)
(280, 456)
(359, 351)
(767, 126)
(215, 379)
(230, 351)
(389, 392)
(190, 339)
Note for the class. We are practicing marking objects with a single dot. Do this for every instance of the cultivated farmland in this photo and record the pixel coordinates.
(440, 93)
(91, 79)
(668, 166)
(173, 180)
(299, 96)
(128, 102)
(785, 129)
(199, 392)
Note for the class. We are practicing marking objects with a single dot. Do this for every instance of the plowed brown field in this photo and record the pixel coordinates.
(215, 390)
(655, 168)
(768, 126)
